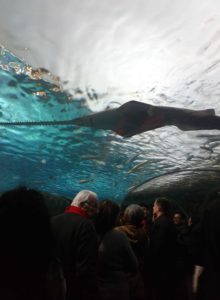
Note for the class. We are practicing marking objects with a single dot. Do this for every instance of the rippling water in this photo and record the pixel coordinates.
(98, 56)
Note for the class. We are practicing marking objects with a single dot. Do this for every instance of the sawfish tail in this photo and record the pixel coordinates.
(211, 122)
(37, 123)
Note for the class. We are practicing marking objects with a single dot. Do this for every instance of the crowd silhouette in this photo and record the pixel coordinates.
(98, 250)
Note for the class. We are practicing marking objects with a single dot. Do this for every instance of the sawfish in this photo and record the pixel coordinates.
(135, 117)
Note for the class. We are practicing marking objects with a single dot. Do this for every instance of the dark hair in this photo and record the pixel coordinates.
(144, 205)
(26, 243)
(164, 204)
(107, 216)
(25, 228)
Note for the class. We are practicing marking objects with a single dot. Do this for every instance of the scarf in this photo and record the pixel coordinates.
(76, 210)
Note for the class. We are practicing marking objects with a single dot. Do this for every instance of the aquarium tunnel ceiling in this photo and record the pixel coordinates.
(61, 60)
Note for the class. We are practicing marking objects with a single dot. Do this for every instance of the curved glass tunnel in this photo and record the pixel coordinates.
(164, 53)
(187, 189)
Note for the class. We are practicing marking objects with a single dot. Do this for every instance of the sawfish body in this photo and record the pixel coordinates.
(136, 117)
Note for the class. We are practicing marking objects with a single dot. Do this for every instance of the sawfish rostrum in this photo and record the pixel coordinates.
(136, 117)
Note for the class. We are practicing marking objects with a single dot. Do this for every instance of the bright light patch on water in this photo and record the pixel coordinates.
(94, 55)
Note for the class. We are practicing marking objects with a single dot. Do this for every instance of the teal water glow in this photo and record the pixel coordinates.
(66, 159)
(56, 159)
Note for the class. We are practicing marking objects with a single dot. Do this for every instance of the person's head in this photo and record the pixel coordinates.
(88, 201)
(179, 218)
(133, 215)
(25, 228)
(107, 216)
(161, 207)
(23, 205)
(146, 208)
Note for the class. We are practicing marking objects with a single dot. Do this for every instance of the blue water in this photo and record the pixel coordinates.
(66, 159)
(57, 159)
